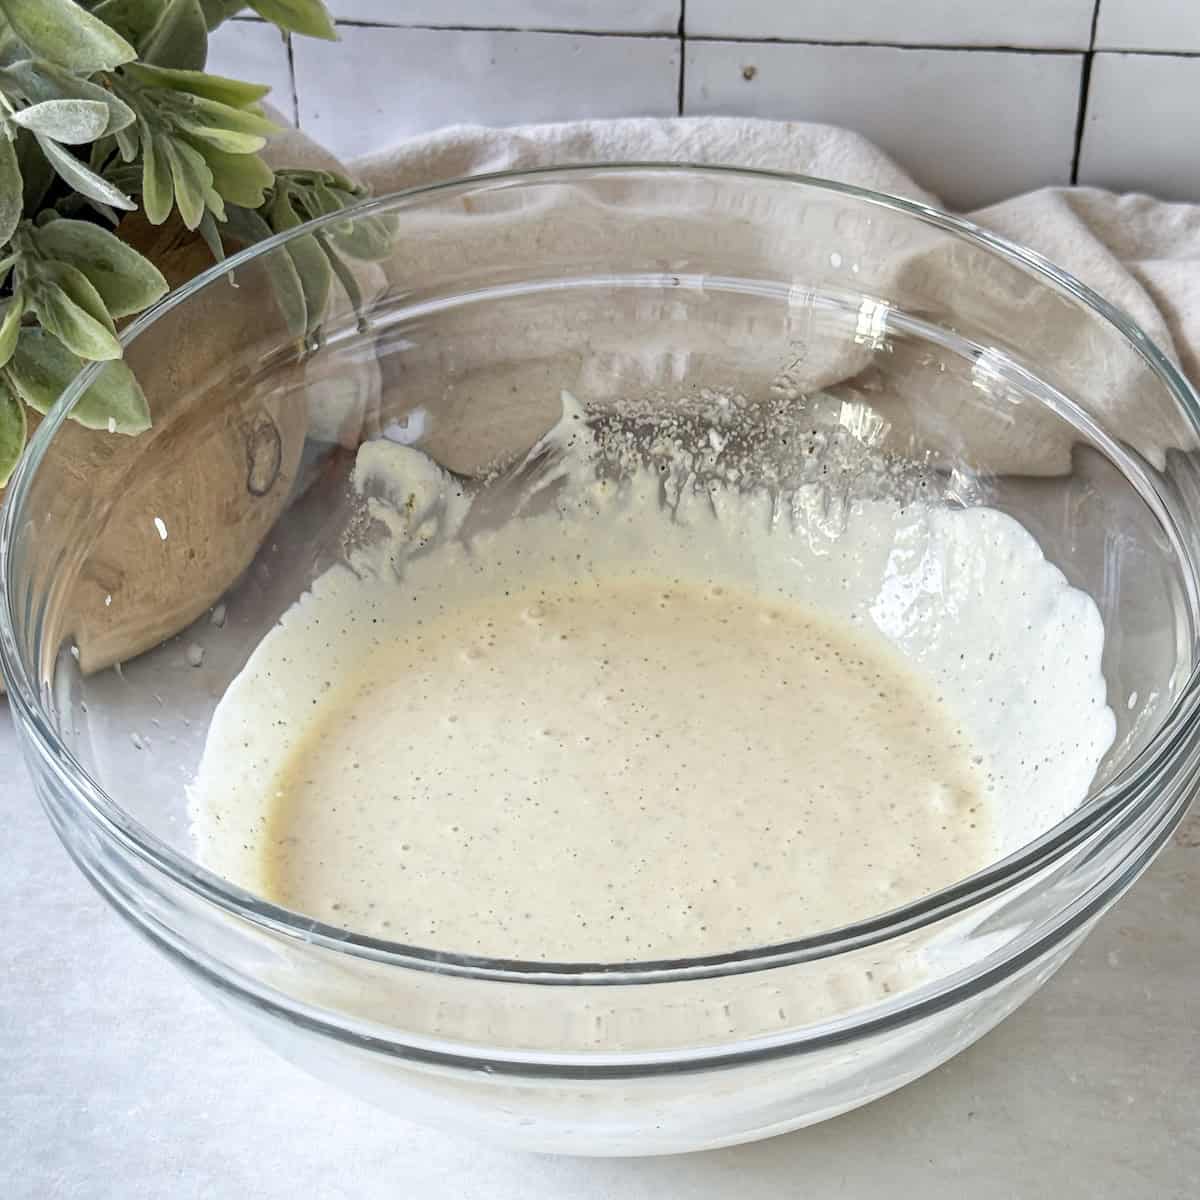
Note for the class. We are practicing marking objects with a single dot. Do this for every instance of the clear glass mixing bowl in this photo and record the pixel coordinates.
(1008, 382)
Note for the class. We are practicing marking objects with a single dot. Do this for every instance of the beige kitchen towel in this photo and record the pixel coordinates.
(1139, 253)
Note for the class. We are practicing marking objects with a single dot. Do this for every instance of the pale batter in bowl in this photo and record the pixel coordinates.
(618, 729)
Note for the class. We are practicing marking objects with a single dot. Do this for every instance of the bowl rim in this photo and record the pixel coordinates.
(1108, 805)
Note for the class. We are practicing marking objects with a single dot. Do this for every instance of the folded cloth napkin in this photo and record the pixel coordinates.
(1137, 252)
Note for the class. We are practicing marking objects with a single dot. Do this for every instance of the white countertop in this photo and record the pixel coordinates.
(119, 1081)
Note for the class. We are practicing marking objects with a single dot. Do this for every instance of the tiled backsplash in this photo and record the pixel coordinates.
(978, 99)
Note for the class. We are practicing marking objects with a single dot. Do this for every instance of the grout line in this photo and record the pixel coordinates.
(939, 46)
(679, 34)
(1085, 83)
(1119, 53)
(682, 35)
(292, 77)
(660, 34)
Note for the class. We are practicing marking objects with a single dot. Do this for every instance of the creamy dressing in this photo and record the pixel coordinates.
(640, 719)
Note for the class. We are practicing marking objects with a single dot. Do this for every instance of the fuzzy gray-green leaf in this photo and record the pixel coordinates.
(127, 143)
(126, 281)
(158, 193)
(13, 430)
(40, 81)
(289, 291)
(169, 33)
(115, 402)
(218, 11)
(79, 288)
(364, 238)
(42, 368)
(86, 182)
(67, 34)
(241, 178)
(212, 237)
(214, 114)
(231, 141)
(308, 17)
(69, 307)
(191, 177)
(11, 189)
(36, 173)
(213, 203)
(316, 276)
(232, 92)
(247, 226)
(10, 326)
(344, 275)
(72, 122)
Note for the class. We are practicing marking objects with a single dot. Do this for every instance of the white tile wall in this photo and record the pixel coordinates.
(973, 123)
(973, 126)
(1142, 131)
(379, 85)
(256, 52)
(1054, 24)
(597, 16)
(1148, 25)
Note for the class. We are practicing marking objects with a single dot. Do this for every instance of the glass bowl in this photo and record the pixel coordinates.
(1009, 383)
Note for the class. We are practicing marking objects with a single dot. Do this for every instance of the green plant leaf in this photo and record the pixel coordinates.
(229, 140)
(11, 189)
(42, 368)
(107, 213)
(307, 17)
(216, 12)
(126, 176)
(115, 402)
(247, 226)
(10, 326)
(74, 284)
(343, 183)
(316, 277)
(212, 237)
(232, 92)
(86, 182)
(213, 114)
(326, 201)
(289, 291)
(14, 428)
(214, 204)
(36, 173)
(72, 122)
(99, 154)
(241, 178)
(67, 34)
(127, 144)
(344, 275)
(70, 308)
(192, 180)
(126, 282)
(158, 193)
(40, 81)
(169, 33)
(364, 238)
